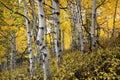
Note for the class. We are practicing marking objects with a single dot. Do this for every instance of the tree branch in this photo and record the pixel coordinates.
(14, 11)
(100, 4)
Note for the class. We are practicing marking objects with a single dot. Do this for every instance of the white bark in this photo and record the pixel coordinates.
(29, 37)
(56, 16)
(34, 31)
(82, 42)
(13, 51)
(93, 24)
(72, 13)
(73, 31)
(40, 40)
(53, 40)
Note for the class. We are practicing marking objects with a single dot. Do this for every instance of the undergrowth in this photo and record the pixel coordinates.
(102, 65)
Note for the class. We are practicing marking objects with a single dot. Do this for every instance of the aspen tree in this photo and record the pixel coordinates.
(82, 42)
(40, 40)
(72, 13)
(34, 31)
(93, 25)
(29, 37)
(56, 16)
(53, 40)
(13, 51)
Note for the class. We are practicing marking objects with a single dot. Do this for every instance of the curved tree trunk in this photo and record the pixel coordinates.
(34, 31)
(114, 21)
(29, 37)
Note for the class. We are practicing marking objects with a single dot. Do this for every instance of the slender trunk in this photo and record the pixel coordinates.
(6, 57)
(45, 34)
(62, 43)
(80, 27)
(29, 37)
(73, 26)
(114, 21)
(6, 54)
(73, 45)
(34, 31)
(60, 49)
(93, 25)
(40, 41)
(56, 16)
(87, 29)
(13, 52)
(53, 40)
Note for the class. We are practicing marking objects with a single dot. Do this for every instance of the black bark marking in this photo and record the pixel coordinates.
(60, 50)
(28, 22)
(94, 15)
(43, 47)
(41, 28)
(43, 60)
(58, 22)
(45, 55)
(58, 55)
(40, 44)
(30, 49)
(41, 15)
(40, 0)
(13, 51)
(57, 1)
(83, 42)
(28, 32)
(30, 35)
(54, 32)
(35, 38)
(58, 13)
(37, 27)
(37, 42)
(57, 44)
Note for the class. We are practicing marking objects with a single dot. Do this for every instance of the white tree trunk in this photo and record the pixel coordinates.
(53, 39)
(93, 24)
(34, 31)
(72, 13)
(40, 41)
(73, 31)
(29, 37)
(13, 51)
(82, 42)
(56, 16)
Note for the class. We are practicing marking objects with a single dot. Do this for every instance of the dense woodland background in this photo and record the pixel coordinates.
(59, 39)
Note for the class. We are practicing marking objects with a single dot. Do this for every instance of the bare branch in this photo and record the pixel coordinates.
(14, 12)
(100, 4)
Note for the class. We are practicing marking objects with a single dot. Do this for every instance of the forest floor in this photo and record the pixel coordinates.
(101, 65)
